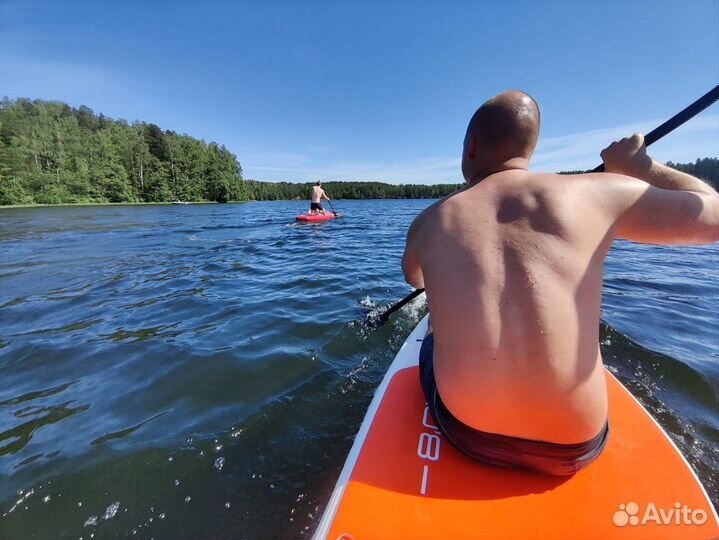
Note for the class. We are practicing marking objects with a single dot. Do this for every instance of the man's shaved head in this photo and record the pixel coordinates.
(503, 128)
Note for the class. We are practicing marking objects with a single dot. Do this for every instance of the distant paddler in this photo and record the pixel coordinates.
(317, 195)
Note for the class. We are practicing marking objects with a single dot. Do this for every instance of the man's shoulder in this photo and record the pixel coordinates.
(430, 212)
(434, 212)
(423, 218)
(575, 176)
(565, 185)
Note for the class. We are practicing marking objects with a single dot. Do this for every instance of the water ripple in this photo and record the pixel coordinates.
(142, 346)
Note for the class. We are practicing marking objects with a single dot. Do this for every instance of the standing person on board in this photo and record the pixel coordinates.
(316, 196)
(513, 268)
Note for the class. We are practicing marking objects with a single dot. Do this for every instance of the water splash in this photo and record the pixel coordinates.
(111, 511)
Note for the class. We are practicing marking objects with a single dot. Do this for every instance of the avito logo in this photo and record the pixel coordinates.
(679, 514)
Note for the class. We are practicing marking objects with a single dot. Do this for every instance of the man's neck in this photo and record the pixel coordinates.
(518, 163)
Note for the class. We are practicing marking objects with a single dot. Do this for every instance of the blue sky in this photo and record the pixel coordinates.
(372, 90)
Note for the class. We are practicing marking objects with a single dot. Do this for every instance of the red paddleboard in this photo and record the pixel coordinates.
(317, 217)
(403, 479)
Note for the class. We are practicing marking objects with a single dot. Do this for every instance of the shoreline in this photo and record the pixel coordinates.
(45, 205)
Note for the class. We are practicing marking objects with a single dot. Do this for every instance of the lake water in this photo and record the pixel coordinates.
(188, 372)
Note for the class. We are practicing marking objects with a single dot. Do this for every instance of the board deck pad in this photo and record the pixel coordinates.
(404, 480)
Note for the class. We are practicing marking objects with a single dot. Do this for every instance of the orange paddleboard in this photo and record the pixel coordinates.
(404, 480)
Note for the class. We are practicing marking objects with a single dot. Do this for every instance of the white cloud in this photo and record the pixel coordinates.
(425, 171)
(696, 139)
(577, 151)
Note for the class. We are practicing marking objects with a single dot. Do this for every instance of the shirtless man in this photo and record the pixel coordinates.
(317, 194)
(512, 266)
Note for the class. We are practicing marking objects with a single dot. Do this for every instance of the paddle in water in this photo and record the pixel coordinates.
(653, 136)
(378, 320)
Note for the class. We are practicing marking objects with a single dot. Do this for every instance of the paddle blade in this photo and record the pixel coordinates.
(375, 320)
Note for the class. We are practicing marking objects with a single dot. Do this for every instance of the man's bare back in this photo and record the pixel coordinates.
(523, 358)
(513, 267)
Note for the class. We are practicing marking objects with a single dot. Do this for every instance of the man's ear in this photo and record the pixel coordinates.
(469, 153)
(470, 147)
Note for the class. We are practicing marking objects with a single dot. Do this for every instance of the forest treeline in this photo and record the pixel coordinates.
(53, 153)
(276, 191)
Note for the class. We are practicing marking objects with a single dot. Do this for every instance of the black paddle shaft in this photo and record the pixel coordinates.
(677, 120)
(411, 296)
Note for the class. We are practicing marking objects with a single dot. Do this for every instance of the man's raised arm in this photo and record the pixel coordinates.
(658, 204)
